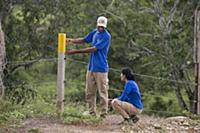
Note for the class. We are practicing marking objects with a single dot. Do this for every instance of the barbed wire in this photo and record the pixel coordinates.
(31, 61)
(85, 63)
(82, 84)
(142, 75)
(110, 89)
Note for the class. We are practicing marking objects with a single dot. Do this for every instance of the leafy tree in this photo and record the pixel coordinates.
(153, 37)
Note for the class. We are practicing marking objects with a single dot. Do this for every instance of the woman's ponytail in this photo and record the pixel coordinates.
(128, 73)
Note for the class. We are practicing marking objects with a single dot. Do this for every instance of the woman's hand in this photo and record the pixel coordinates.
(109, 101)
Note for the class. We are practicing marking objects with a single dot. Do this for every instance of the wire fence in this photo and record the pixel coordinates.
(85, 63)
(110, 89)
(160, 112)
(82, 85)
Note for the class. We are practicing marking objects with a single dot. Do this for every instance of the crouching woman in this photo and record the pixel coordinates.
(129, 104)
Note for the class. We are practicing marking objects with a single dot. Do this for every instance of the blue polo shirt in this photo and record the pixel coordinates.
(98, 60)
(131, 94)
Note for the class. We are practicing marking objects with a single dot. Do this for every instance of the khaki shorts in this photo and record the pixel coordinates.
(124, 108)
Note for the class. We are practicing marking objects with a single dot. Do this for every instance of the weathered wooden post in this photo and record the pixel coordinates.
(197, 59)
(61, 72)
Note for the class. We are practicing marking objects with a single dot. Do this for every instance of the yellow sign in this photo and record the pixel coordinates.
(61, 42)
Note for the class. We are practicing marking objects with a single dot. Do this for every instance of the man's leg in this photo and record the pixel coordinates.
(102, 85)
(91, 89)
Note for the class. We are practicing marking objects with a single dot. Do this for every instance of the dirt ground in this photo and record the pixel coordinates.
(147, 124)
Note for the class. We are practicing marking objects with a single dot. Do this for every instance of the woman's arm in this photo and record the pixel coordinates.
(125, 93)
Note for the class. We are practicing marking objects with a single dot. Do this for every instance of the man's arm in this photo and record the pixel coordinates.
(76, 40)
(85, 50)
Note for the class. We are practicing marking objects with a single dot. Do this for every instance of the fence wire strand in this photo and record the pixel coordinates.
(85, 63)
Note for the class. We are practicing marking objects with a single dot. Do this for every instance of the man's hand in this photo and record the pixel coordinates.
(75, 40)
(71, 52)
(85, 50)
(68, 40)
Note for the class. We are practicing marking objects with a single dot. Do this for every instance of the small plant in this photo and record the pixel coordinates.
(20, 92)
(9, 113)
(74, 115)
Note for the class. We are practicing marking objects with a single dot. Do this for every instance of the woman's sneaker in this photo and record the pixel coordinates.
(134, 118)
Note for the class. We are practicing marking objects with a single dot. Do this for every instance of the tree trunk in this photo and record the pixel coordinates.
(193, 102)
(2, 60)
(180, 98)
(181, 101)
(197, 59)
(5, 6)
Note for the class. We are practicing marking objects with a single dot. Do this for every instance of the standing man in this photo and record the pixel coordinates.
(97, 73)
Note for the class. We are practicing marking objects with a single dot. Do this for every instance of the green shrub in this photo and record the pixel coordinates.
(10, 112)
(161, 105)
(20, 93)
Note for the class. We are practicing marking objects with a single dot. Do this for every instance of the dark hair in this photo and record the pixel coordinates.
(128, 73)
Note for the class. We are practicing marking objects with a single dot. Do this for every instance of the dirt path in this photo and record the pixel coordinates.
(146, 124)
(108, 125)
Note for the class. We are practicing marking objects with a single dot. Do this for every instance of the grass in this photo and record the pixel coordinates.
(44, 106)
(12, 115)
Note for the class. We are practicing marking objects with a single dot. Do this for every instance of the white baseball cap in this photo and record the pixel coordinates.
(102, 21)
